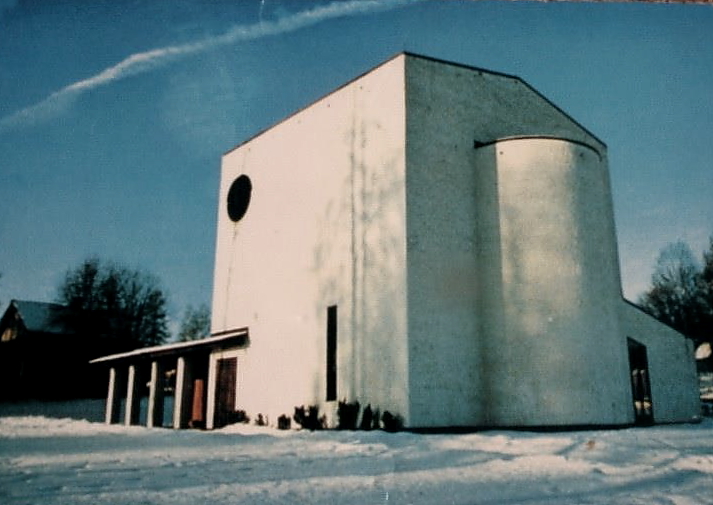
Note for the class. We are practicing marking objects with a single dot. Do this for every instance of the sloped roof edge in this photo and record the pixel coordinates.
(507, 76)
(237, 337)
(423, 57)
(644, 311)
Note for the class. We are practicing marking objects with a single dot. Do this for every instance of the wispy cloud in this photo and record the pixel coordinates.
(59, 101)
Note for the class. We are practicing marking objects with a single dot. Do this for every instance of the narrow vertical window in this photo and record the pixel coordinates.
(331, 353)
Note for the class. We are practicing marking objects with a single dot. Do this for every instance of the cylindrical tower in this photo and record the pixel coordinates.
(552, 349)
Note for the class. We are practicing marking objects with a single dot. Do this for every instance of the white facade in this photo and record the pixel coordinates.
(671, 372)
(460, 227)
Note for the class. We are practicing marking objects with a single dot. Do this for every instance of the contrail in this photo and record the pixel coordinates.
(59, 101)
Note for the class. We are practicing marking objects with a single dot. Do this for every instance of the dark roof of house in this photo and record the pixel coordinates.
(39, 316)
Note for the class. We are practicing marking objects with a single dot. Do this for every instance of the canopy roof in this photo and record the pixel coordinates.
(223, 340)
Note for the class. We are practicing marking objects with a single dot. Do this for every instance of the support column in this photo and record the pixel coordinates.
(154, 415)
(182, 401)
(113, 398)
(133, 397)
(210, 397)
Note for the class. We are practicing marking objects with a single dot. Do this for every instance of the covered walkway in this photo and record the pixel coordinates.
(182, 385)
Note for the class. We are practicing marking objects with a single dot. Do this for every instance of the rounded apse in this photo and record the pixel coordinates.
(239, 197)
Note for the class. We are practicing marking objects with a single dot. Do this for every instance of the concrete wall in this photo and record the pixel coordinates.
(672, 368)
(466, 367)
(475, 274)
(324, 227)
(553, 347)
(456, 105)
(443, 322)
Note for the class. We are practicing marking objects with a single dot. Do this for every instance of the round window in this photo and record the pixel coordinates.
(239, 197)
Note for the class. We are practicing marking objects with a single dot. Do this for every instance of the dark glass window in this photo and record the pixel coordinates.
(331, 353)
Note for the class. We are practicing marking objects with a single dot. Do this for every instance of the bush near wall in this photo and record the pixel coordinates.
(284, 422)
(392, 422)
(309, 419)
(347, 415)
(348, 418)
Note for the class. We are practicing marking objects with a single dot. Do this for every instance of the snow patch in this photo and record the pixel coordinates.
(69, 461)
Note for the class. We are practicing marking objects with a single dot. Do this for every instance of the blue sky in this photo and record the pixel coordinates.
(114, 114)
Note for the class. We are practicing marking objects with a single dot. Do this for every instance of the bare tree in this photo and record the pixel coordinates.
(195, 324)
(681, 293)
(706, 294)
(115, 307)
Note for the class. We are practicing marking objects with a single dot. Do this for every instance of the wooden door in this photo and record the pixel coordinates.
(227, 374)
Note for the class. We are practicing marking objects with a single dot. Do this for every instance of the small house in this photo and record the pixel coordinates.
(39, 356)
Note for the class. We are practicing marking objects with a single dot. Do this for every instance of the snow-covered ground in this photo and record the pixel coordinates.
(48, 461)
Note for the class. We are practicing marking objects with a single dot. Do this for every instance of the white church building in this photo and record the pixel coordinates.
(431, 239)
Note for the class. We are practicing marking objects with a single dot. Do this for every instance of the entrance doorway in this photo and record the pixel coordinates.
(227, 373)
(640, 385)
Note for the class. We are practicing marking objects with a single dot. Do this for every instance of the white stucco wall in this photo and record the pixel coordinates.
(475, 274)
(553, 347)
(467, 367)
(672, 367)
(324, 227)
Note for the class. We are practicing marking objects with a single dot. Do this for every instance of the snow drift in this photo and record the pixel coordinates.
(68, 461)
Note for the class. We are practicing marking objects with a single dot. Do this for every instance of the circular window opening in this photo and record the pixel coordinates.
(239, 197)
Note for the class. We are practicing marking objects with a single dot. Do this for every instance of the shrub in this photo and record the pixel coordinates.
(284, 422)
(239, 416)
(375, 425)
(392, 422)
(367, 419)
(347, 414)
(309, 418)
(261, 420)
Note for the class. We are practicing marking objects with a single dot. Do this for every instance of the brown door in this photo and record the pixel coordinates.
(225, 391)
(198, 404)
